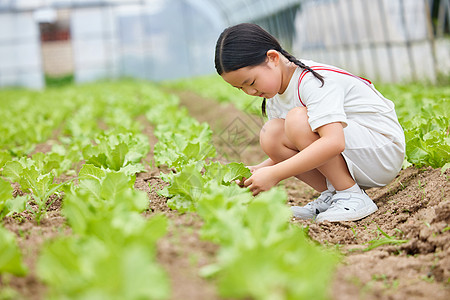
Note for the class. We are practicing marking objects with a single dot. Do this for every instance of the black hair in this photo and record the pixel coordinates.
(246, 45)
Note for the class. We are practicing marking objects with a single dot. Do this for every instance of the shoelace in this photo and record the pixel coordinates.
(314, 205)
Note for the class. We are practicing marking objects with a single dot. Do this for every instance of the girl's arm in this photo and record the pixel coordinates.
(330, 144)
(267, 163)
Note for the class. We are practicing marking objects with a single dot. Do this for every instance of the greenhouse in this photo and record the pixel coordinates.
(159, 40)
(217, 150)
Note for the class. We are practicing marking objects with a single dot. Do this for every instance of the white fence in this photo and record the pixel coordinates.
(386, 40)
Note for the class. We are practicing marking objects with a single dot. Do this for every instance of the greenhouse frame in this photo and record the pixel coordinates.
(386, 40)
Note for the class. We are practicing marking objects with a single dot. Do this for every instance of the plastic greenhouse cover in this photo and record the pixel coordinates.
(232, 11)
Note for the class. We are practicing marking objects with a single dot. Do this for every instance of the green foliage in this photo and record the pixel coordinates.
(8, 204)
(99, 198)
(5, 156)
(187, 185)
(88, 267)
(214, 87)
(58, 81)
(182, 142)
(36, 177)
(290, 268)
(118, 152)
(424, 113)
(428, 137)
(112, 254)
(261, 255)
(385, 239)
(10, 256)
(226, 174)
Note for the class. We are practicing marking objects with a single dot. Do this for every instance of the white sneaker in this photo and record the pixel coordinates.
(348, 207)
(312, 209)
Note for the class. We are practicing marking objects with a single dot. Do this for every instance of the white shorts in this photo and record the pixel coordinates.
(372, 158)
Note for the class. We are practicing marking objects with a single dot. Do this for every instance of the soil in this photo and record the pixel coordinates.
(415, 207)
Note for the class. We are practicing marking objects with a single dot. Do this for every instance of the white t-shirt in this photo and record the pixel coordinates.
(342, 97)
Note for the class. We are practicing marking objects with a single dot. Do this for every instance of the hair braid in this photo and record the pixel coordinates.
(302, 65)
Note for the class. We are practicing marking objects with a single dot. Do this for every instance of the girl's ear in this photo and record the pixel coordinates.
(273, 56)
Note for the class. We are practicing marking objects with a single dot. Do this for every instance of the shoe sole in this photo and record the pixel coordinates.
(354, 217)
(298, 215)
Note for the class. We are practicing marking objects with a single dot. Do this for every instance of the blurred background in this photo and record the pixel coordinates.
(87, 40)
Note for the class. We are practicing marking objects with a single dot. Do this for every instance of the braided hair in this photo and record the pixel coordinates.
(246, 45)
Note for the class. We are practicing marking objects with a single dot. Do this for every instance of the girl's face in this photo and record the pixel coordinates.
(264, 80)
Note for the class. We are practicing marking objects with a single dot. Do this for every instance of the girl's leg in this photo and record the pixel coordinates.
(300, 135)
(349, 203)
(278, 147)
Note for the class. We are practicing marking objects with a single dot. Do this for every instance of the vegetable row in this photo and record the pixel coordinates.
(97, 145)
(423, 111)
(110, 253)
(261, 256)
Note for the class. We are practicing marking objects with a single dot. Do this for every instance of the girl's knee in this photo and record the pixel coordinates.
(271, 132)
(297, 117)
(274, 141)
(297, 128)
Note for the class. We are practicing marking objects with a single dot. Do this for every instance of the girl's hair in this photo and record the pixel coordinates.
(246, 45)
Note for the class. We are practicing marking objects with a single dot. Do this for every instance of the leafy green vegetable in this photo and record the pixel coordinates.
(10, 256)
(118, 152)
(192, 144)
(262, 257)
(112, 252)
(112, 255)
(102, 191)
(214, 87)
(5, 156)
(40, 185)
(424, 113)
(8, 204)
(187, 186)
(88, 268)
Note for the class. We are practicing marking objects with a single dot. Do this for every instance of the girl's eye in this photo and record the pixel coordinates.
(252, 82)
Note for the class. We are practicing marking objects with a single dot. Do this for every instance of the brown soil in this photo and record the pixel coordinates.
(414, 207)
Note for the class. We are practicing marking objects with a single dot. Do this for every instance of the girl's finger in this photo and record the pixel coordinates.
(240, 182)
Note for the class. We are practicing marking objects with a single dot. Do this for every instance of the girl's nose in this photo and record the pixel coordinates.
(250, 91)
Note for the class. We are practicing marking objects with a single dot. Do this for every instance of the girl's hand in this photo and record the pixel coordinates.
(261, 180)
(241, 182)
(253, 168)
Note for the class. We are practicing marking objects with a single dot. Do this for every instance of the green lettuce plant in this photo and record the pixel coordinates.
(10, 255)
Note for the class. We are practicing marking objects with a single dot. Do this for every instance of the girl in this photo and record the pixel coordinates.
(327, 127)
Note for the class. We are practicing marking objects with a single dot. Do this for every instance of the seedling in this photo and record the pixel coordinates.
(428, 278)
(355, 234)
(384, 240)
(37, 182)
